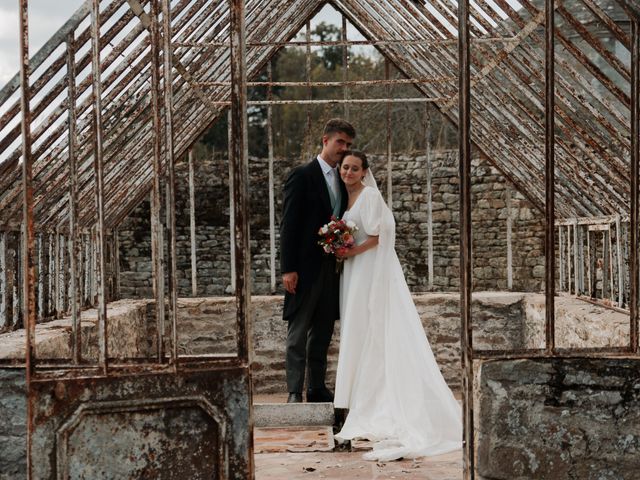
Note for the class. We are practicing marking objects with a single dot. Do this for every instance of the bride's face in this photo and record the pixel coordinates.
(351, 170)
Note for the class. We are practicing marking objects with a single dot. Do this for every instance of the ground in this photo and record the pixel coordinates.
(308, 453)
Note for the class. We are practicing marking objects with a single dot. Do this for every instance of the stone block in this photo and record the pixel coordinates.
(532, 425)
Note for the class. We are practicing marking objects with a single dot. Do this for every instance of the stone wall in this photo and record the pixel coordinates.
(559, 419)
(13, 425)
(500, 321)
(489, 216)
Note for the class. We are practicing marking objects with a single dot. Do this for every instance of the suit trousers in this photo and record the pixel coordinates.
(310, 329)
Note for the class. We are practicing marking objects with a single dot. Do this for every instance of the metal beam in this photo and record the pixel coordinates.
(99, 191)
(171, 180)
(635, 163)
(192, 226)
(464, 155)
(550, 267)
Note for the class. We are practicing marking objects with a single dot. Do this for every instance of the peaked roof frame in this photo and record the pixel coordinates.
(592, 177)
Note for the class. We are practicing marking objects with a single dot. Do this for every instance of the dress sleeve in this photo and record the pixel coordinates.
(372, 209)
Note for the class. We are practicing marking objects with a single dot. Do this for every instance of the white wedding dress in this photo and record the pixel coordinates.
(387, 375)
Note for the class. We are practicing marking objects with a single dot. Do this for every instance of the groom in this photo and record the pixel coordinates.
(312, 194)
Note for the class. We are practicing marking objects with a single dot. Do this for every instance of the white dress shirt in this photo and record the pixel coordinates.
(330, 175)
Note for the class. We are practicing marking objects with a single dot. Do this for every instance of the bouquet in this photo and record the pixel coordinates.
(336, 237)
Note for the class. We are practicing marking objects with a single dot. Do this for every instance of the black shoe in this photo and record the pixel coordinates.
(294, 398)
(319, 395)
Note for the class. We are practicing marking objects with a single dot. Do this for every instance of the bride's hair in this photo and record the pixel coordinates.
(357, 154)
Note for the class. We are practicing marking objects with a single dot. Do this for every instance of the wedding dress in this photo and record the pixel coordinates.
(387, 375)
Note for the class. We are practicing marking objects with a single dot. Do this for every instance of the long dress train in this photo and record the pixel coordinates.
(387, 375)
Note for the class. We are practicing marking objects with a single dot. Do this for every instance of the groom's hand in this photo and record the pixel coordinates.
(290, 281)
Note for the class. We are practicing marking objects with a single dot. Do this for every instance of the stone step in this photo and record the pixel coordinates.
(293, 414)
(293, 439)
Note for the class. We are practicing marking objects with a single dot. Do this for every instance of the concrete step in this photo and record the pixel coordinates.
(293, 414)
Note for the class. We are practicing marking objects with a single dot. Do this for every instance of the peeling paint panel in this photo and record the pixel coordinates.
(194, 425)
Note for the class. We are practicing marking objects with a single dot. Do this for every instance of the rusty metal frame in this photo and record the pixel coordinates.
(28, 273)
(96, 91)
(414, 41)
(635, 160)
(550, 184)
(506, 60)
(464, 156)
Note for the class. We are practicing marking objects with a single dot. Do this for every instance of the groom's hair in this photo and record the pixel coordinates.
(336, 125)
(357, 154)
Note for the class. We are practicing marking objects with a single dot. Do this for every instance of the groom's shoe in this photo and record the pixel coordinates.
(294, 398)
(319, 395)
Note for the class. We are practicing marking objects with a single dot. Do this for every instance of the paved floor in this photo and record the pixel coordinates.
(350, 465)
(294, 453)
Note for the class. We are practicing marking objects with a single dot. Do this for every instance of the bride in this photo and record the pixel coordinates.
(387, 375)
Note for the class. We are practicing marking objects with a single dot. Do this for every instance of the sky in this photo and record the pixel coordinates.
(45, 18)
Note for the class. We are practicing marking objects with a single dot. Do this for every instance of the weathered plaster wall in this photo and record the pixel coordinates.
(571, 419)
(489, 218)
(13, 425)
(506, 395)
(126, 333)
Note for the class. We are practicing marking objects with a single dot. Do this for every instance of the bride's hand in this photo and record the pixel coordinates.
(344, 253)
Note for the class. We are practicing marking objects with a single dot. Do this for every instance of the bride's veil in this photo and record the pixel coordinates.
(368, 180)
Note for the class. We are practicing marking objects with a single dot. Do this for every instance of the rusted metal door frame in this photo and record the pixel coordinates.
(469, 354)
(68, 379)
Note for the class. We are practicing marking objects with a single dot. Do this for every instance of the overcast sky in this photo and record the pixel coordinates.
(45, 18)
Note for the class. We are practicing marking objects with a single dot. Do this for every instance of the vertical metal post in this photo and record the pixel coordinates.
(345, 68)
(28, 270)
(40, 309)
(568, 258)
(464, 139)
(116, 262)
(605, 265)
(576, 269)
(549, 109)
(88, 269)
(610, 249)
(239, 157)
(429, 198)
(171, 180)
(307, 137)
(56, 281)
(635, 160)
(51, 272)
(63, 276)
(232, 215)
(509, 240)
(272, 208)
(4, 290)
(157, 247)
(18, 292)
(11, 277)
(619, 261)
(74, 241)
(580, 269)
(240, 160)
(192, 226)
(589, 260)
(387, 68)
(99, 179)
(594, 264)
(561, 255)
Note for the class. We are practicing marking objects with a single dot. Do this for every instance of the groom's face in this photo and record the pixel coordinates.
(334, 145)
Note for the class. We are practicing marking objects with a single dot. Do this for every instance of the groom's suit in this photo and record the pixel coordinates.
(313, 309)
